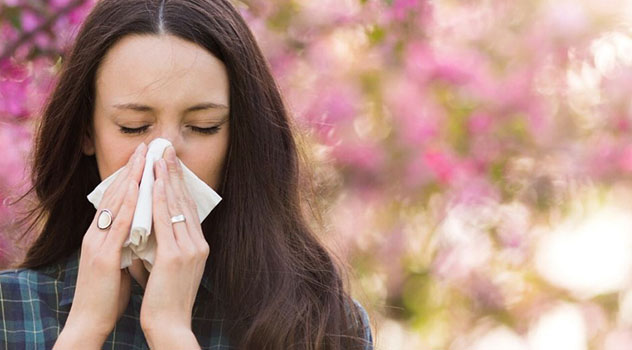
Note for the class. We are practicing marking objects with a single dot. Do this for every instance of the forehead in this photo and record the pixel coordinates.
(161, 68)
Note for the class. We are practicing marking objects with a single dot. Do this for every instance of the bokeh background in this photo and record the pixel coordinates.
(472, 158)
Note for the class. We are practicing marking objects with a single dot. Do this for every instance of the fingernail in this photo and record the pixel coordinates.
(162, 164)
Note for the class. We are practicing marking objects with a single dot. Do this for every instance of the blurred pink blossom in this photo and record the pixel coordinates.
(43, 40)
(485, 294)
(418, 117)
(625, 159)
(15, 141)
(402, 9)
(425, 63)
(366, 158)
(416, 173)
(78, 14)
(443, 165)
(13, 3)
(30, 20)
(329, 13)
(59, 3)
(14, 81)
(566, 19)
(618, 339)
(480, 123)
(331, 108)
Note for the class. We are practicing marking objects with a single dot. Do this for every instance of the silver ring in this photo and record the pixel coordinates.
(178, 218)
(105, 219)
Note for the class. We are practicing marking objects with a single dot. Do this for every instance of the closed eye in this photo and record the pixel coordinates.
(207, 131)
(142, 129)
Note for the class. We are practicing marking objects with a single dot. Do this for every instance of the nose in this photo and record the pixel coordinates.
(171, 133)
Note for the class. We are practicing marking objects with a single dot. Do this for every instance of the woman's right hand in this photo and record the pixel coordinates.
(103, 288)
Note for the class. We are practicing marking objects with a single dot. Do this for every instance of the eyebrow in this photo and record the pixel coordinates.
(145, 108)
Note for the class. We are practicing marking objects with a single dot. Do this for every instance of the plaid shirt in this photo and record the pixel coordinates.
(35, 305)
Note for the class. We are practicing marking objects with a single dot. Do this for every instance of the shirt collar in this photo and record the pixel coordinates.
(69, 279)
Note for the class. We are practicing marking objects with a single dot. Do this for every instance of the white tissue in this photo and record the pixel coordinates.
(141, 244)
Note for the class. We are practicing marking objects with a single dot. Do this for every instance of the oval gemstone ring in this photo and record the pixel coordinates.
(105, 219)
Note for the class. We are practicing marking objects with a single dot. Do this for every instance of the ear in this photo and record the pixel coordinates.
(87, 145)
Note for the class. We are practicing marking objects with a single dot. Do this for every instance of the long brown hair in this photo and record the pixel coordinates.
(277, 284)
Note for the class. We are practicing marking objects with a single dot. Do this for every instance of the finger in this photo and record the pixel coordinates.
(118, 231)
(136, 172)
(177, 179)
(135, 168)
(174, 206)
(176, 172)
(162, 225)
(112, 193)
(116, 196)
(186, 202)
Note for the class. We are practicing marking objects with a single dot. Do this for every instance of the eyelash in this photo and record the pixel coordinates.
(205, 131)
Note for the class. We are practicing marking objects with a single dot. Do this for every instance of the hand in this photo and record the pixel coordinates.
(181, 253)
(103, 288)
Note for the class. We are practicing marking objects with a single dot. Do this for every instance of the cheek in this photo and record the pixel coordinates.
(208, 169)
(209, 166)
(110, 159)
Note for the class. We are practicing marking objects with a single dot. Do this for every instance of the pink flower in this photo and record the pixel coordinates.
(625, 159)
(441, 164)
(424, 63)
(30, 20)
(419, 60)
(333, 107)
(15, 141)
(11, 70)
(480, 123)
(567, 19)
(401, 8)
(43, 40)
(418, 118)
(618, 339)
(363, 157)
(416, 173)
(78, 14)
(14, 81)
(13, 3)
(59, 3)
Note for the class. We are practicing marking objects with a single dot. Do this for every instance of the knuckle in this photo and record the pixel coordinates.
(180, 198)
(191, 203)
(132, 188)
(205, 249)
(189, 253)
(172, 168)
(119, 224)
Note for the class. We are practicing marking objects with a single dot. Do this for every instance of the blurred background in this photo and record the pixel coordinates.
(473, 159)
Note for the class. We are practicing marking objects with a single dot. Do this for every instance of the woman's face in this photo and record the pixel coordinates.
(162, 86)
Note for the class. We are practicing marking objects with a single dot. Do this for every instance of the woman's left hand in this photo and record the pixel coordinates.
(181, 256)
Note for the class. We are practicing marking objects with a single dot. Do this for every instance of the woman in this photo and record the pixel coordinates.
(250, 276)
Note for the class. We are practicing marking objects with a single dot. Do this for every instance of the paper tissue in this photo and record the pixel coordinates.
(141, 243)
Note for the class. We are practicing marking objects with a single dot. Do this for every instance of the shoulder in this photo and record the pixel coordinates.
(34, 279)
(365, 325)
(28, 309)
(20, 286)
